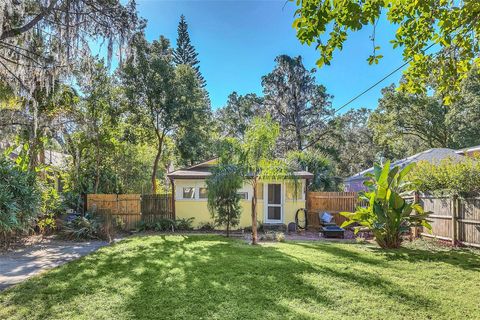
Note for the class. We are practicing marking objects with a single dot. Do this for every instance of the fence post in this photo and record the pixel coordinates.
(454, 218)
(85, 203)
(416, 199)
(117, 207)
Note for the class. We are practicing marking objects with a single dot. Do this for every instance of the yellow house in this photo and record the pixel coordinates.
(277, 203)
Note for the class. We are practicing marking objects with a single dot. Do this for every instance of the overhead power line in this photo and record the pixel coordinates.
(380, 81)
(365, 91)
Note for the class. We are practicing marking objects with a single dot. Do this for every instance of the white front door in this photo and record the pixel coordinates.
(273, 203)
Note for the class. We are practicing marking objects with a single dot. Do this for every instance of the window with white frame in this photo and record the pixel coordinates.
(202, 193)
(189, 193)
(243, 195)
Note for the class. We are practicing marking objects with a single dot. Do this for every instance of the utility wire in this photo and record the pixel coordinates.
(379, 81)
(365, 91)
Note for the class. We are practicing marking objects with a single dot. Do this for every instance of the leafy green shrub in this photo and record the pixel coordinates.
(51, 208)
(165, 225)
(145, 226)
(223, 199)
(206, 226)
(449, 175)
(118, 223)
(387, 214)
(260, 226)
(47, 223)
(83, 228)
(184, 224)
(19, 200)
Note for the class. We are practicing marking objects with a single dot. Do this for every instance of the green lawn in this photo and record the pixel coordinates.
(211, 277)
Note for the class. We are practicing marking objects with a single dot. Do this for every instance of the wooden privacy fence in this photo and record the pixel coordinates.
(331, 202)
(453, 219)
(156, 206)
(132, 208)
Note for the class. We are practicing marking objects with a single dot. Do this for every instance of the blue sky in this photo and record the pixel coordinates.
(237, 42)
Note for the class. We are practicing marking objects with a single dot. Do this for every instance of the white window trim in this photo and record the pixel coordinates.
(196, 185)
(265, 203)
(247, 193)
(195, 194)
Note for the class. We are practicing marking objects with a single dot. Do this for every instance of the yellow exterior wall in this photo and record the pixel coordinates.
(191, 208)
(198, 209)
(185, 209)
(291, 207)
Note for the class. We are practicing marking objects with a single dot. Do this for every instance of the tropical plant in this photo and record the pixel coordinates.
(387, 215)
(145, 226)
(165, 225)
(83, 228)
(258, 162)
(19, 200)
(184, 224)
(223, 199)
(51, 207)
(321, 166)
(206, 226)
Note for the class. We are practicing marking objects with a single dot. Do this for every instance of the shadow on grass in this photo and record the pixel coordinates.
(367, 279)
(195, 277)
(353, 256)
(464, 259)
(171, 277)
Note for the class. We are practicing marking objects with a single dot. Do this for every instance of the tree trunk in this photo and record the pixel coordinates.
(77, 183)
(228, 227)
(97, 165)
(41, 159)
(156, 161)
(254, 212)
(33, 148)
(298, 136)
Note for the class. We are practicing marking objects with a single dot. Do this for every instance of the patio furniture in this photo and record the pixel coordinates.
(328, 228)
(332, 232)
(325, 219)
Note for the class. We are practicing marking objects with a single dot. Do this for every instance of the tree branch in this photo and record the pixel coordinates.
(16, 31)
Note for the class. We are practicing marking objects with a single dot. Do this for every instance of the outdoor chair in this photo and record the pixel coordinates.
(325, 219)
(328, 228)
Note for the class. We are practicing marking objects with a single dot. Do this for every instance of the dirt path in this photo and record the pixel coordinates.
(21, 264)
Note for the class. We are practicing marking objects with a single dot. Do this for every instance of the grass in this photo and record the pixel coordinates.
(211, 277)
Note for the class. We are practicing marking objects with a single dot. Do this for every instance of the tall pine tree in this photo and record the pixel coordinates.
(185, 52)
